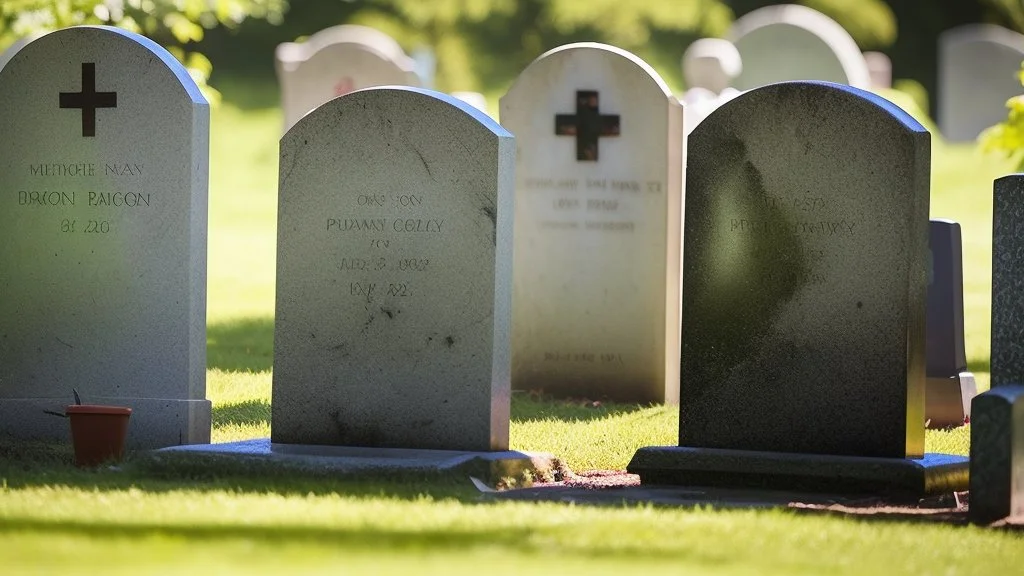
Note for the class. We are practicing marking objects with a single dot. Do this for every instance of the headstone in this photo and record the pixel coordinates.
(979, 66)
(950, 386)
(792, 42)
(709, 66)
(474, 99)
(336, 61)
(103, 172)
(711, 63)
(1007, 351)
(997, 455)
(394, 275)
(599, 177)
(11, 50)
(804, 280)
(880, 70)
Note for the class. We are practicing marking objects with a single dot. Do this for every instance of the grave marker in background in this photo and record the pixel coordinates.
(979, 66)
(950, 386)
(394, 267)
(336, 61)
(792, 42)
(804, 279)
(599, 175)
(103, 180)
(997, 455)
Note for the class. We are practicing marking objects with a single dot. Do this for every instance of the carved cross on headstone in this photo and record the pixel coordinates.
(587, 125)
(88, 100)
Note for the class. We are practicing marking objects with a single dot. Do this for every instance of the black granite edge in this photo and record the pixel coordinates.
(897, 477)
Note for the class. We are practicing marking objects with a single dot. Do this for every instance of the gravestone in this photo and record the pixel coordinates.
(11, 50)
(394, 264)
(103, 173)
(791, 42)
(804, 279)
(336, 61)
(709, 67)
(474, 99)
(879, 69)
(979, 67)
(950, 386)
(1007, 351)
(598, 183)
(997, 455)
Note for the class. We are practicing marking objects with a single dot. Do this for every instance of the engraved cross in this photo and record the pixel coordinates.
(88, 100)
(587, 125)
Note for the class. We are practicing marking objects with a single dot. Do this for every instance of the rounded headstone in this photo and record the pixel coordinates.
(792, 42)
(712, 64)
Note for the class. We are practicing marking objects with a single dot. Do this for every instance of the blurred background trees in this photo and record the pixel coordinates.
(483, 44)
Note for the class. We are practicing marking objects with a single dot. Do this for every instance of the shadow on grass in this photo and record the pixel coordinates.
(443, 538)
(250, 412)
(244, 345)
(526, 407)
(26, 464)
(979, 365)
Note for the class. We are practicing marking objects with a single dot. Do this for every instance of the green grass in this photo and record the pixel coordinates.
(226, 520)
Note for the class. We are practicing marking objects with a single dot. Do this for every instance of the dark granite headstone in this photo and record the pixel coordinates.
(997, 454)
(804, 296)
(1008, 281)
(950, 387)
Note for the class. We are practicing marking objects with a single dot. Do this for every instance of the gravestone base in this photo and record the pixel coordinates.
(490, 467)
(155, 422)
(895, 477)
(948, 400)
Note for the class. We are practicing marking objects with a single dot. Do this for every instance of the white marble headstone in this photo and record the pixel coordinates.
(792, 42)
(11, 50)
(394, 272)
(599, 175)
(336, 61)
(979, 67)
(103, 180)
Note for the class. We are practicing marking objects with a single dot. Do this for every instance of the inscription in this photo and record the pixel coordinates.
(383, 200)
(45, 198)
(820, 228)
(585, 357)
(62, 169)
(69, 226)
(382, 224)
(369, 291)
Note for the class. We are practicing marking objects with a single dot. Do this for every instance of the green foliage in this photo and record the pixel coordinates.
(871, 22)
(488, 42)
(1007, 137)
(1010, 11)
(173, 23)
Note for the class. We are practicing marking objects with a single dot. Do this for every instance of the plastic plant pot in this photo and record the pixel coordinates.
(98, 433)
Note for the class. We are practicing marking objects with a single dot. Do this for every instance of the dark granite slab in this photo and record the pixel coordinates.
(897, 477)
(1007, 351)
(997, 454)
(804, 275)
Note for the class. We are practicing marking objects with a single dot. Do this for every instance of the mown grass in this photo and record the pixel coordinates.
(228, 520)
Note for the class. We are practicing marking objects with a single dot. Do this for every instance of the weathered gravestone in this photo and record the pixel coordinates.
(792, 42)
(103, 176)
(709, 67)
(11, 50)
(804, 278)
(336, 61)
(950, 386)
(1007, 350)
(394, 275)
(599, 171)
(997, 455)
(978, 73)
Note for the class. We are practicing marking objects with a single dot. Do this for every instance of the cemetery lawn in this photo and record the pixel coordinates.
(227, 520)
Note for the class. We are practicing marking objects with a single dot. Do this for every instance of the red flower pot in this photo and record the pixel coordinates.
(98, 432)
